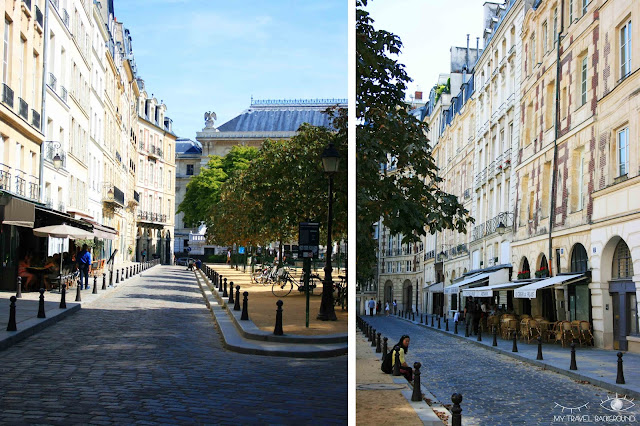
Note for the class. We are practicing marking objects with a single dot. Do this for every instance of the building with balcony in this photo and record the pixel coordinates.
(188, 157)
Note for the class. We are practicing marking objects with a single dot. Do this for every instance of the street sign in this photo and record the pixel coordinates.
(308, 239)
(188, 249)
(241, 250)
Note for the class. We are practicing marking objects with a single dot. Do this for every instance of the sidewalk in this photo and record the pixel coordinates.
(596, 366)
(382, 399)
(27, 322)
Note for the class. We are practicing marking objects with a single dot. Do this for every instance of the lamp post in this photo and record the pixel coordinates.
(330, 162)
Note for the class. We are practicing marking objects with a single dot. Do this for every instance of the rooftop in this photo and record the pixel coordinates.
(187, 146)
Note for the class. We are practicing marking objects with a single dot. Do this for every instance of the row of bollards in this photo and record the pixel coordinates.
(572, 364)
(373, 336)
(217, 280)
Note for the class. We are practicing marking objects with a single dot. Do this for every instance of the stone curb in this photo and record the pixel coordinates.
(571, 374)
(250, 331)
(232, 339)
(31, 326)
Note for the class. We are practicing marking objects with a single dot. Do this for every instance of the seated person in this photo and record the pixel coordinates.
(53, 265)
(199, 264)
(403, 345)
(29, 280)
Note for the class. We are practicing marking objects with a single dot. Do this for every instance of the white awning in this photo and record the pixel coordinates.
(529, 291)
(455, 288)
(487, 291)
(436, 288)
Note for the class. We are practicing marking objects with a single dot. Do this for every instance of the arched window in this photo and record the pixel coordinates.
(579, 258)
(622, 267)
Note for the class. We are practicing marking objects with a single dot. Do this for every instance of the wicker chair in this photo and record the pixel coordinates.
(585, 332)
(512, 328)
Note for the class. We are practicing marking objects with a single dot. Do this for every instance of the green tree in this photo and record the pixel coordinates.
(203, 190)
(396, 177)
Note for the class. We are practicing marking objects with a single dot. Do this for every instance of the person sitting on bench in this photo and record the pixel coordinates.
(403, 345)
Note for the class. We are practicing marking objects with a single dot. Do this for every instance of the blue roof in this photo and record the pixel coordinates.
(187, 146)
(281, 116)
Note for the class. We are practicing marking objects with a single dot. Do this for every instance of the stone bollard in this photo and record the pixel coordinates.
(95, 285)
(539, 356)
(220, 286)
(515, 343)
(122, 277)
(117, 276)
(373, 338)
(479, 334)
(396, 365)
(384, 347)
(417, 393)
(620, 377)
(63, 296)
(278, 330)
(236, 306)
(456, 411)
(438, 322)
(573, 365)
(12, 315)
(446, 324)
(495, 337)
(431, 320)
(230, 301)
(378, 347)
(78, 296)
(104, 281)
(111, 278)
(41, 305)
(225, 294)
(455, 327)
(245, 306)
(19, 292)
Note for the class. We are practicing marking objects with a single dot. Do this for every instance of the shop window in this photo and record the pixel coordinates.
(622, 267)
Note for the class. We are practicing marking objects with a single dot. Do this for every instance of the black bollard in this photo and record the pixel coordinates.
(446, 324)
(573, 365)
(225, 294)
(438, 322)
(278, 330)
(122, 277)
(117, 276)
(396, 365)
(620, 377)
(417, 392)
(456, 411)
(373, 338)
(12, 315)
(230, 301)
(104, 281)
(78, 296)
(431, 320)
(19, 292)
(220, 286)
(421, 319)
(110, 278)
(41, 305)
(245, 307)
(413, 316)
(515, 343)
(236, 306)
(63, 296)
(384, 347)
(539, 348)
(495, 337)
(95, 285)
(479, 334)
(378, 347)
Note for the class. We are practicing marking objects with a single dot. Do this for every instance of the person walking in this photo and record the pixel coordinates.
(84, 265)
(386, 308)
(395, 307)
(144, 254)
(372, 306)
(379, 307)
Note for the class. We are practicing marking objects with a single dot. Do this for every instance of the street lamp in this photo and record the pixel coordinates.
(110, 194)
(330, 163)
(57, 161)
(501, 228)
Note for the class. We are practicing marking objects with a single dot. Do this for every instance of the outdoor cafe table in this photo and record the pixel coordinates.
(40, 272)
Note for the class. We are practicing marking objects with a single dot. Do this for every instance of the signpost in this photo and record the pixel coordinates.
(308, 242)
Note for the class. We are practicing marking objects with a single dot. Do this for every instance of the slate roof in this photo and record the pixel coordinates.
(281, 116)
(187, 146)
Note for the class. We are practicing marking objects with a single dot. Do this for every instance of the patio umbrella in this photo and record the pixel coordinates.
(62, 231)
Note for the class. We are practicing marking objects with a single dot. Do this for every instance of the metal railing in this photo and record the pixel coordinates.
(7, 95)
(48, 202)
(152, 217)
(53, 81)
(5, 179)
(64, 94)
(23, 108)
(491, 226)
(19, 187)
(62, 207)
(507, 158)
(50, 151)
(35, 118)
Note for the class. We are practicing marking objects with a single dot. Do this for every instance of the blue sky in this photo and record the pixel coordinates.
(213, 55)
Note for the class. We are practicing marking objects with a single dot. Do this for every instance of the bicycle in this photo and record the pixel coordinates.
(284, 284)
(341, 288)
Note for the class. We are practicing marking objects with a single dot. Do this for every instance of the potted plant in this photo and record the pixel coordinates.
(507, 162)
(542, 272)
(524, 275)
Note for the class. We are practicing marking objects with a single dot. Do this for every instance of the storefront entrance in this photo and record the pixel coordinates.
(625, 315)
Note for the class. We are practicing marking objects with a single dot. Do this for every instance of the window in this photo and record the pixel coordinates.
(189, 169)
(570, 11)
(533, 51)
(555, 25)
(545, 37)
(625, 50)
(622, 263)
(623, 151)
(6, 56)
(583, 81)
(581, 183)
(584, 7)
(21, 73)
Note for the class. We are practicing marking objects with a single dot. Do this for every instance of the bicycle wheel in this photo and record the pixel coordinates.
(282, 288)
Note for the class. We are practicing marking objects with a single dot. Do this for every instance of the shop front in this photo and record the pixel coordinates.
(18, 219)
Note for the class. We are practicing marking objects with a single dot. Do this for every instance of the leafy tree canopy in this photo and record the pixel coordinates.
(396, 177)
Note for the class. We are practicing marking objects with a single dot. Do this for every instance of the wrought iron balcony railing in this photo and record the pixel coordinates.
(7, 95)
(23, 109)
(53, 81)
(35, 118)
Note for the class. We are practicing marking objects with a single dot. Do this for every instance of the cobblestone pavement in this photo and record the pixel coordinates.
(496, 389)
(149, 353)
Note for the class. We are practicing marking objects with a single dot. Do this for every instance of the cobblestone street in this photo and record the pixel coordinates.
(150, 353)
(496, 389)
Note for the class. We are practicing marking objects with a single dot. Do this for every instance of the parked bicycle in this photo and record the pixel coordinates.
(285, 282)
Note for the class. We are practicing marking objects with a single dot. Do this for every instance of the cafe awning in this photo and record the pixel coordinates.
(102, 231)
(455, 288)
(487, 291)
(529, 290)
(436, 288)
(18, 212)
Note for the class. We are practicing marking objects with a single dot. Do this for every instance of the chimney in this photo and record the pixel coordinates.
(466, 62)
(477, 48)
(418, 96)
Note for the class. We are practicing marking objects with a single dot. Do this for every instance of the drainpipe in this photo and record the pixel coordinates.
(555, 142)
(44, 96)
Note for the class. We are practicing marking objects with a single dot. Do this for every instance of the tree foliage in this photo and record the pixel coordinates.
(396, 177)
